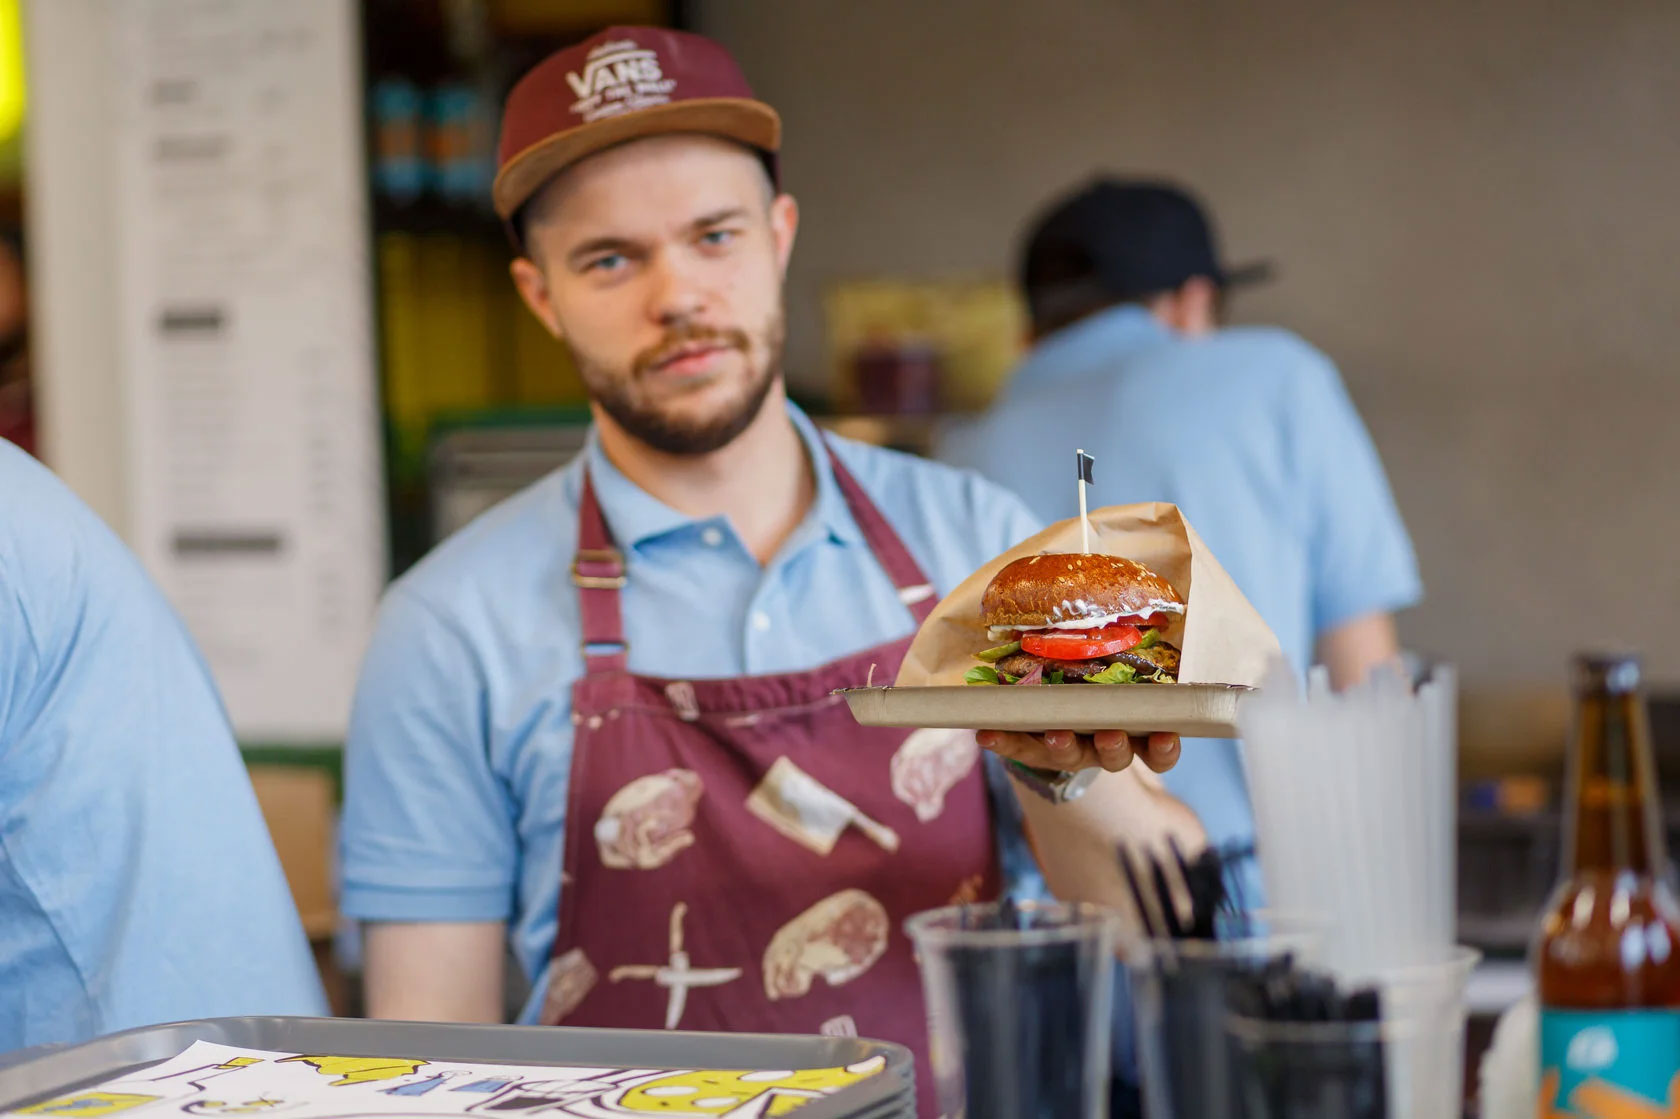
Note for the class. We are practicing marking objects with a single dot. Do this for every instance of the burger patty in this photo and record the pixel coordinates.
(1159, 656)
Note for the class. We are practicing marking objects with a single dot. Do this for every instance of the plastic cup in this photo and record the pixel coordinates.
(1409, 1064)
(1179, 1010)
(1018, 998)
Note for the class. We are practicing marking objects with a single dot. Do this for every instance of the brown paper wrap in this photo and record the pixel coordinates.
(1221, 637)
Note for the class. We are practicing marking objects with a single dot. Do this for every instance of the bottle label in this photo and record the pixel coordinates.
(1610, 1062)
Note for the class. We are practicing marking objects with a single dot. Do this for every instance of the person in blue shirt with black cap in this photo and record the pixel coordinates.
(1247, 429)
(138, 883)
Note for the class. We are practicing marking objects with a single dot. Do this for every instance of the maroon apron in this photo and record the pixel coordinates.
(740, 854)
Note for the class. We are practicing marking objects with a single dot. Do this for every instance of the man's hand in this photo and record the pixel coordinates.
(1064, 750)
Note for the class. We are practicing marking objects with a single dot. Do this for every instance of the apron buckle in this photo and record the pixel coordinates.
(598, 569)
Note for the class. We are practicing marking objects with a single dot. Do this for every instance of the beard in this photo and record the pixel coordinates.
(661, 423)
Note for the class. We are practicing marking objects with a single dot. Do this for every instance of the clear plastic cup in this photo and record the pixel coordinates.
(1019, 998)
(1178, 990)
(1407, 1065)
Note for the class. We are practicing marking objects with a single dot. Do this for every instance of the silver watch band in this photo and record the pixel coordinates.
(1055, 785)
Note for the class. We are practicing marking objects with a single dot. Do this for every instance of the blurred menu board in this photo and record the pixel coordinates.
(248, 370)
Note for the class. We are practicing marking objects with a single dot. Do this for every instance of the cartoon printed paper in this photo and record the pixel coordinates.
(725, 1093)
(487, 1084)
(358, 1070)
(211, 1071)
(259, 1106)
(317, 1086)
(90, 1104)
(422, 1086)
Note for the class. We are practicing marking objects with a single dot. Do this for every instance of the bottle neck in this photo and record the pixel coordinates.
(1615, 822)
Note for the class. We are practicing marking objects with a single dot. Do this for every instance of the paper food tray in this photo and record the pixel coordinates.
(54, 1070)
(1192, 710)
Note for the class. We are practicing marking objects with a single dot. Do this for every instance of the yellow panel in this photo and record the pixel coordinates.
(455, 325)
(403, 347)
(543, 371)
(13, 90)
(538, 16)
(977, 326)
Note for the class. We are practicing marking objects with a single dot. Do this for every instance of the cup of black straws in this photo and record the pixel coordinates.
(1305, 1047)
(1019, 998)
(1180, 989)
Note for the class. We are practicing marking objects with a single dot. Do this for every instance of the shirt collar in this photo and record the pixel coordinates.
(1109, 334)
(636, 516)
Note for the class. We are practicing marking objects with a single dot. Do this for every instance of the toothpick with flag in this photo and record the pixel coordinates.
(1085, 462)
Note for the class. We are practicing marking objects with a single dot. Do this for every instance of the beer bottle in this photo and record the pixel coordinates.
(1607, 955)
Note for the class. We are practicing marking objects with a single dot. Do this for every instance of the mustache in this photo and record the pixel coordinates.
(683, 337)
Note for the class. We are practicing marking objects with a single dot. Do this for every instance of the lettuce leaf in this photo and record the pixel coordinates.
(1114, 674)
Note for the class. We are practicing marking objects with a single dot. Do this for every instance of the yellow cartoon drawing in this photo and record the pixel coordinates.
(358, 1070)
(221, 1107)
(717, 1093)
(211, 1072)
(88, 1105)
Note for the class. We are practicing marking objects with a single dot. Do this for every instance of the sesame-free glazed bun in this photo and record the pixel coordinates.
(1067, 586)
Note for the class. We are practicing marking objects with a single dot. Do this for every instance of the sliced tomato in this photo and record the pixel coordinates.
(1081, 644)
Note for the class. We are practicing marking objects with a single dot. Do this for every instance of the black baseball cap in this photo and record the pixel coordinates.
(1119, 239)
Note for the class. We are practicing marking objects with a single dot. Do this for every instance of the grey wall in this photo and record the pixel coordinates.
(1473, 207)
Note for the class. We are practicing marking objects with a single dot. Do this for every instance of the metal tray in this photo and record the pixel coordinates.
(1192, 710)
(52, 1070)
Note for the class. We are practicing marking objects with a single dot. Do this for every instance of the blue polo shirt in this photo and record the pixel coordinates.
(460, 745)
(138, 883)
(1251, 433)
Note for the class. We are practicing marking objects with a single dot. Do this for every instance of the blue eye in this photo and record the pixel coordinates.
(717, 236)
(611, 262)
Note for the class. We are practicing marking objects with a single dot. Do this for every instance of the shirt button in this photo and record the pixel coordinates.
(760, 620)
(711, 536)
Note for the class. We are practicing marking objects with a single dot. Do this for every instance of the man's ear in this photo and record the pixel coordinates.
(784, 225)
(533, 289)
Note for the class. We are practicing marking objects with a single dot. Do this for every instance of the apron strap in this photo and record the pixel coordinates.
(598, 574)
(598, 570)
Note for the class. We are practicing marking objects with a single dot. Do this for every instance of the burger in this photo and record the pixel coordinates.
(1072, 618)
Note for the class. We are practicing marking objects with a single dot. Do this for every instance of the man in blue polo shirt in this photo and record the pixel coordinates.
(138, 883)
(599, 722)
(1247, 429)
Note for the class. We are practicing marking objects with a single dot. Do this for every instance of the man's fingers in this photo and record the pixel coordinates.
(1114, 749)
(1054, 750)
(1063, 748)
(1162, 752)
(1001, 743)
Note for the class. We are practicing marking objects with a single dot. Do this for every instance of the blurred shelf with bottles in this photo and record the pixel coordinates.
(458, 352)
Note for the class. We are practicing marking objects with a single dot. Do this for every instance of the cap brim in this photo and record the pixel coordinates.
(735, 118)
(1256, 272)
